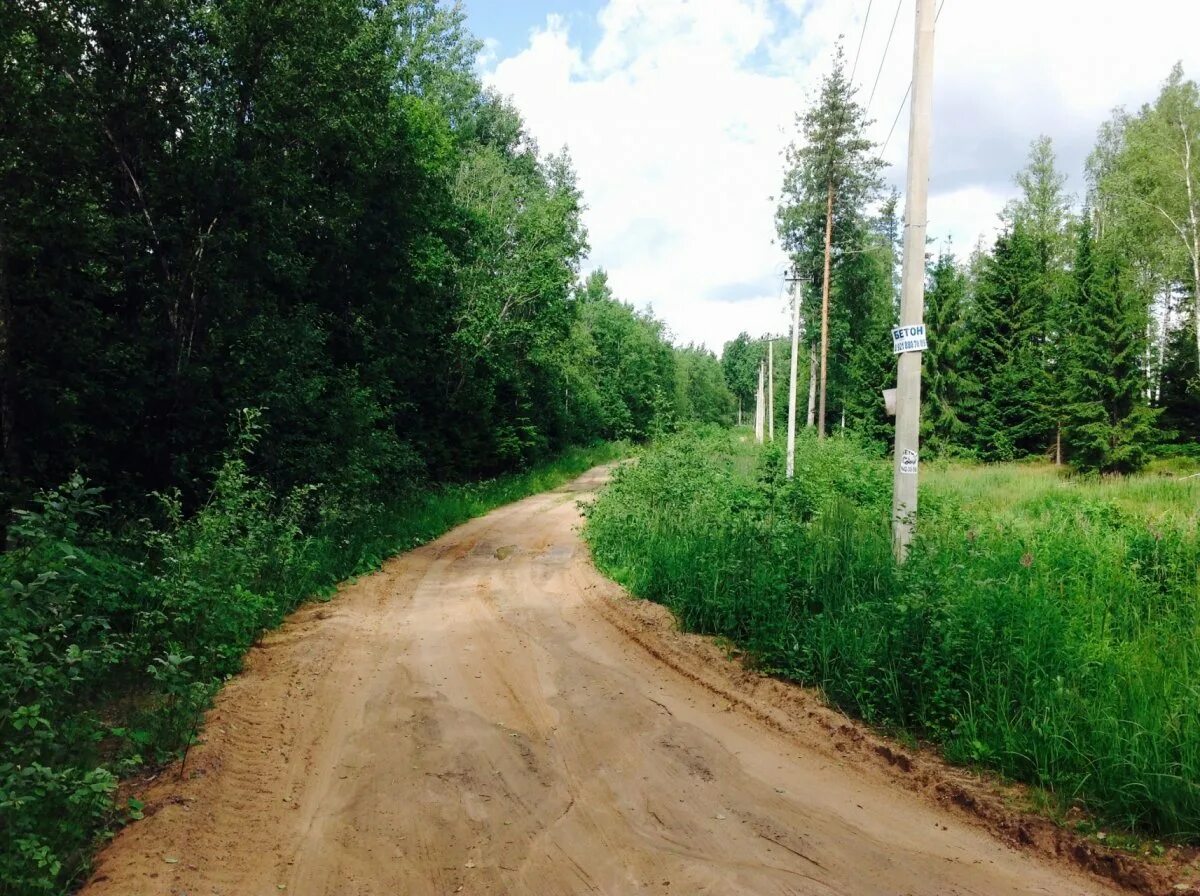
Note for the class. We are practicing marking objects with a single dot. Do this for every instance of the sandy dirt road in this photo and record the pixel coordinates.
(482, 717)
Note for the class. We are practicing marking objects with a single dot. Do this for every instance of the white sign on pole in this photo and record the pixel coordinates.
(909, 339)
(908, 462)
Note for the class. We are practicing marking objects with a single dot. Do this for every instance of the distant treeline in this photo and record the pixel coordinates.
(1076, 335)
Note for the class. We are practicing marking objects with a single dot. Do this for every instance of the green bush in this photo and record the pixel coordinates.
(112, 647)
(1048, 631)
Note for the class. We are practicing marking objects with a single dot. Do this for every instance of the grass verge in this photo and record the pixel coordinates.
(1044, 627)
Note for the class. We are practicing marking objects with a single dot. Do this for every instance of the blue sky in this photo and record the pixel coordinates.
(676, 113)
(509, 23)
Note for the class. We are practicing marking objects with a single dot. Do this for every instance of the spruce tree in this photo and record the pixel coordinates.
(944, 383)
(1002, 404)
(1109, 426)
(862, 328)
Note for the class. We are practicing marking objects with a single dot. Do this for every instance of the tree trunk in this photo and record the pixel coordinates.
(825, 311)
(1058, 457)
(1194, 248)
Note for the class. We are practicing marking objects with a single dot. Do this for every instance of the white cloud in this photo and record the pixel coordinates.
(676, 121)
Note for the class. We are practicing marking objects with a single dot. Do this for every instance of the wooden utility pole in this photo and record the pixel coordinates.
(759, 409)
(771, 390)
(912, 296)
(794, 279)
(825, 310)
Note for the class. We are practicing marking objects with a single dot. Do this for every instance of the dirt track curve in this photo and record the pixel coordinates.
(488, 715)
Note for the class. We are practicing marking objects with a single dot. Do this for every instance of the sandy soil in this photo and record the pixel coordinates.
(490, 715)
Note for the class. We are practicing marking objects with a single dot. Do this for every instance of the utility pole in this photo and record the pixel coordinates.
(912, 295)
(759, 410)
(794, 279)
(811, 419)
(771, 389)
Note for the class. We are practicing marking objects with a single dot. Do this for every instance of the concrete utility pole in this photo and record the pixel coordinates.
(912, 296)
(794, 279)
(759, 409)
(771, 389)
(811, 419)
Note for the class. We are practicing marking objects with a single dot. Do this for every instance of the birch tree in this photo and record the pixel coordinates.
(1152, 182)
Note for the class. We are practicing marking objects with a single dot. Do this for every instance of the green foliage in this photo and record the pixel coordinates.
(629, 381)
(740, 358)
(834, 158)
(945, 377)
(1017, 327)
(1110, 427)
(1045, 627)
(831, 178)
(700, 391)
(313, 209)
(1145, 191)
(56, 647)
(317, 210)
(860, 329)
(113, 648)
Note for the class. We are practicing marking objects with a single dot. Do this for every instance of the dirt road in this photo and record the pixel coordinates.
(487, 715)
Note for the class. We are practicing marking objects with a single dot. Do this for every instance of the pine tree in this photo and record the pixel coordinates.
(1019, 320)
(832, 175)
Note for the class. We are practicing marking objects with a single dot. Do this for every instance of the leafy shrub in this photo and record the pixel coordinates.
(112, 647)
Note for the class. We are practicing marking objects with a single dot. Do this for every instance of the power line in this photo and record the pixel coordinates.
(907, 91)
(862, 34)
(886, 47)
(896, 120)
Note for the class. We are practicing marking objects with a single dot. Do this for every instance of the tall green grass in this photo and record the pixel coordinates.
(111, 647)
(1048, 628)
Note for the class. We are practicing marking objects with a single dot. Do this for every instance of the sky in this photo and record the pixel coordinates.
(676, 114)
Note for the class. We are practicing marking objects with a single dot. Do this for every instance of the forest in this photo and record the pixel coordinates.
(279, 285)
(1075, 336)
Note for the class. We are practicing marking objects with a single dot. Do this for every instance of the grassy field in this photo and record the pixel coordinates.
(1168, 489)
(1045, 626)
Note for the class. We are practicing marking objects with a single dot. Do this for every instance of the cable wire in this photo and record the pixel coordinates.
(886, 47)
(907, 91)
(862, 34)
(896, 120)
